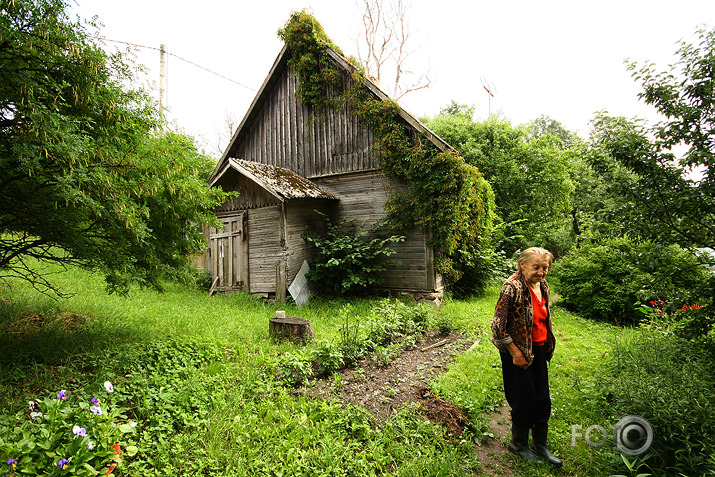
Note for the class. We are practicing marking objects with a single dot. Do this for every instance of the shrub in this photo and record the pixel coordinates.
(605, 281)
(347, 260)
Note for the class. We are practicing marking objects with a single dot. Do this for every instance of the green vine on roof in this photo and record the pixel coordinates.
(445, 194)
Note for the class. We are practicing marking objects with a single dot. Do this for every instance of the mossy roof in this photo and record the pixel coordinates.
(282, 183)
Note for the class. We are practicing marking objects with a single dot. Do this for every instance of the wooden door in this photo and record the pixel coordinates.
(229, 253)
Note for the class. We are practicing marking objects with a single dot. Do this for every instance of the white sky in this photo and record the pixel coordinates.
(561, 58)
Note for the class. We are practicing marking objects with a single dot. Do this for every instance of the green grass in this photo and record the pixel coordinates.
(196, 373)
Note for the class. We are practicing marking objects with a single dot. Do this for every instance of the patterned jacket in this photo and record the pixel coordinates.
(514, 318)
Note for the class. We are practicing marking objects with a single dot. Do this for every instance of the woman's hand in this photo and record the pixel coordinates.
(520, 360)
(517, 356)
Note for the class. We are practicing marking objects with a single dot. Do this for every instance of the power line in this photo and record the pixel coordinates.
(180, 58)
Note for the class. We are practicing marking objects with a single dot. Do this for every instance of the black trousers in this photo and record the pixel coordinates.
(527, 390)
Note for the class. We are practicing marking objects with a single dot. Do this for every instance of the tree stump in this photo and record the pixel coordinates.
(292, 328)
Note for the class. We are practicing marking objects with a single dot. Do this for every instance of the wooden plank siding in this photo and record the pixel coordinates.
(301, 215)
(284, 133)
(250, 194)
(362, 199)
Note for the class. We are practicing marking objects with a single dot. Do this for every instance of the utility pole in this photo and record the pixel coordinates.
(162, 79)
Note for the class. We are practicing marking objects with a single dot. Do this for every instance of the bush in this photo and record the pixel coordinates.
(347, 260)
(605, 281)
(668, 381)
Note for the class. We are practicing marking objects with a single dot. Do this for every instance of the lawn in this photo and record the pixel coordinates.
(197, 386)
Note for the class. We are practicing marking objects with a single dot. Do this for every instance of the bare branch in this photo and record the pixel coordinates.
(386, 39)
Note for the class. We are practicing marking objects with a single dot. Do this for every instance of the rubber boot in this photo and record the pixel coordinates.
(539, 434)
(519, 444)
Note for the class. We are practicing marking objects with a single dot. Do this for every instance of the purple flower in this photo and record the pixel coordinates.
(95, 401)
(12, 462)
(63, 464)
(62, 396)
(79, 431)
(90, 445)
(96, 410)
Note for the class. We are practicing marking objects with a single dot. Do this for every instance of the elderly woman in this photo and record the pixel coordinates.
(521, 330)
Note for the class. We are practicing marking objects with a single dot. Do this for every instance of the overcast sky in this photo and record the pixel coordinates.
(564, 59)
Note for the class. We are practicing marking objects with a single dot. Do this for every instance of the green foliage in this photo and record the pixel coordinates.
(529, 176)
(445, 194)
(668, 381)
(64, 434)
(306, 38)
(384, 332)
(87, 177)
(196, 373)
(349, 338)
(296, 369)
(392, 320)
(170, 388)
(444, 324)
(605, 279)
(544, 125)
(669, 197)
(347, 260)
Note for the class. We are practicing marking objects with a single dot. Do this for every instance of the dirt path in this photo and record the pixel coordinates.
(383, 390)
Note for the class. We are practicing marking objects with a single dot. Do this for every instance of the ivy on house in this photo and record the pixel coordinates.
(445, 194)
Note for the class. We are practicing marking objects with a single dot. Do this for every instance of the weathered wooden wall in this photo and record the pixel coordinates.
(273, 235)
(362, 198)
(284, 133)
(301, 215)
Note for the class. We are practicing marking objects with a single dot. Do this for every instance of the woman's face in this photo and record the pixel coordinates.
(534, 269)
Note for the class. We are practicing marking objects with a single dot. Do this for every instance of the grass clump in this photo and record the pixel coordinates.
(669, 381)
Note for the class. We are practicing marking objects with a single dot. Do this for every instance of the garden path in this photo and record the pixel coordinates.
(404, 382)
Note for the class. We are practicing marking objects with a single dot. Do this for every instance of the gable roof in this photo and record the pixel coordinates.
(280, 64)
(283, 184)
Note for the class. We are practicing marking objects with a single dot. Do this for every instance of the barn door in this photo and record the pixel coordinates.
(229, 253)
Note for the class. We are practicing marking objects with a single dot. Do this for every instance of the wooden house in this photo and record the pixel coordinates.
(287, 162)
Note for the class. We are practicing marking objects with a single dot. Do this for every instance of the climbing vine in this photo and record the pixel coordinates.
(445, 194)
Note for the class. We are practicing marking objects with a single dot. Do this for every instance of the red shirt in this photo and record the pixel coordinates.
(540, 314)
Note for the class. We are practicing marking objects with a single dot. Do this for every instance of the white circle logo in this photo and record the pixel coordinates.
(634, 435)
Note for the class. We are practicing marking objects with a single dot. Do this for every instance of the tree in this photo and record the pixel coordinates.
(671, 199)
(674, 196)
(530, 177)
(545, 125)
(386, 42)
(86, 176)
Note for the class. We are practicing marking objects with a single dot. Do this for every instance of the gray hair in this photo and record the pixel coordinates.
(535, 251)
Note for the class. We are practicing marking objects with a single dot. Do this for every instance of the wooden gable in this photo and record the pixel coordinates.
(280, 131)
